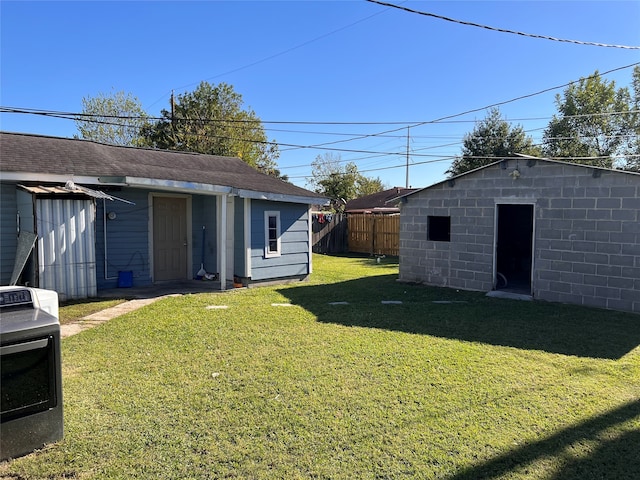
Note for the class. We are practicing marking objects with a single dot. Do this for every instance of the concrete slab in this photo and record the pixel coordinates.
(509, 295)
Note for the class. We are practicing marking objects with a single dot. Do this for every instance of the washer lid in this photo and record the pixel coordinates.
(16, 323)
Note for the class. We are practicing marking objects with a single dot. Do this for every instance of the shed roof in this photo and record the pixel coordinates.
(22, 153)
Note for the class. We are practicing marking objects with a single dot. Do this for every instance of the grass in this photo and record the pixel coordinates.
(475, 388)
(73, 311)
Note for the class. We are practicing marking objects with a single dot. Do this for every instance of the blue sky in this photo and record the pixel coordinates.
(343, 69)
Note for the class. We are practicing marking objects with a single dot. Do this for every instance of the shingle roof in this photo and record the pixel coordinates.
(377, 200)
(28, 153)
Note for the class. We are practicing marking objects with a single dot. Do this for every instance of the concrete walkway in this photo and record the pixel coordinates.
(102, 316)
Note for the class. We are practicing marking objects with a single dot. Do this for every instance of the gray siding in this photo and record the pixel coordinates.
(128, 237)
(239, 258)
(294, 260)
(586, 237)
(204, 214)
(127, 243)
(8, 230)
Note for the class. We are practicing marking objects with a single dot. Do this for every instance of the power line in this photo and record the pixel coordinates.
(498, 104)
(89, 117)
(447, 159)
(502, 30)
(92, 119)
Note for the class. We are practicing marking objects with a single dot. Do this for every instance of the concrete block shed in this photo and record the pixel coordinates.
(551, 230)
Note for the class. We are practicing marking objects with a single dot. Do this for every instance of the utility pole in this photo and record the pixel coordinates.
(407, 174)
(173, 108)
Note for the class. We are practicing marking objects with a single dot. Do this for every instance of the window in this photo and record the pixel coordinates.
(272, 234)
(439, 229)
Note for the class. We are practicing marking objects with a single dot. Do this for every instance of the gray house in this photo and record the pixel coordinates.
(544, 229)
(79, 217)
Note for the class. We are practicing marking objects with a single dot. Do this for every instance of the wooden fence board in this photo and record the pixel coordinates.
(374, 234)
(330, 233)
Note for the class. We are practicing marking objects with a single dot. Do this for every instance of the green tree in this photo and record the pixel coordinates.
(115, 118)
(211, 120)
(491, 139)
(369, 185)
(340, 182)
(593, 123)
(632, 152)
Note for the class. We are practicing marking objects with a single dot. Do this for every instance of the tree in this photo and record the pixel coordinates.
(115, 119)
(369, 185)
(340, 182)
(632, 151)
(211, 120)
(593, 123)
(491, 139)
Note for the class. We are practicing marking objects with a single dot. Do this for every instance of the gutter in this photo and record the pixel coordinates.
(282, 197)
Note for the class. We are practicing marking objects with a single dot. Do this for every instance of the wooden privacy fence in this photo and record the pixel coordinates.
(330, 233)
(374, 234)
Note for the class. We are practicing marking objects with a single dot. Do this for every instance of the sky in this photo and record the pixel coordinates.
(370, 84)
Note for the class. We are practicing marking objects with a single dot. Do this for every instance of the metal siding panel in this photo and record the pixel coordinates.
(66, 247)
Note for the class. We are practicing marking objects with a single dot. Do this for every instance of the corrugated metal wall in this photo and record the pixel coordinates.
(66, 247)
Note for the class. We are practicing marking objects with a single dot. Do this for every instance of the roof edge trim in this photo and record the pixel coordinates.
(278, 197)
(189, 187)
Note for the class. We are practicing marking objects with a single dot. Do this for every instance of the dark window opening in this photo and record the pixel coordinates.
(439, 229)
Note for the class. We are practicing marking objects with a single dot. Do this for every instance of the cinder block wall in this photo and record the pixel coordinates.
(586, 232)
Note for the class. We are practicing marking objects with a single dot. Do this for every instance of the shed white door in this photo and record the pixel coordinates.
(169, 238)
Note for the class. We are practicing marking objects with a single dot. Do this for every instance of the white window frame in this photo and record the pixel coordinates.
(269, 253)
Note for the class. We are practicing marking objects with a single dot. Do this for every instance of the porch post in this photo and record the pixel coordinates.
(310, 233)
(247, 238)
(222, 242)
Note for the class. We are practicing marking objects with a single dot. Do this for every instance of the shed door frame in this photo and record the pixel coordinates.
(497, 279)
(188, 237)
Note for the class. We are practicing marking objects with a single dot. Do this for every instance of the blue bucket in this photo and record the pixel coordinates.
(125, 279)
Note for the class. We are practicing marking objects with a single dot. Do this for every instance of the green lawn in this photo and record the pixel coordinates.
(76, 310)
(468, 387)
